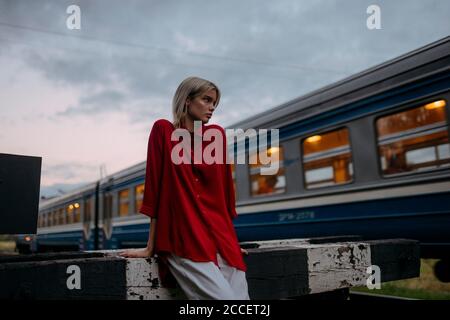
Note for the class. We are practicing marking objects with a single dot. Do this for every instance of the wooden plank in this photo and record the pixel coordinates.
(50, 256)
(143, 282)
(100, 278)
(298, 241)
(277, 272)
(397, 258)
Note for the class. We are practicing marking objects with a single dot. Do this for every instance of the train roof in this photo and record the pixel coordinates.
(279, 115)
(88, 187)
(124, 172)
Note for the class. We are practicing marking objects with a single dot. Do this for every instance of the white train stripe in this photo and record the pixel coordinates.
(60, 228)
(348, 197)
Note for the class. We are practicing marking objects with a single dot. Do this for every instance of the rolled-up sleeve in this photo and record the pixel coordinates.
(153, 172)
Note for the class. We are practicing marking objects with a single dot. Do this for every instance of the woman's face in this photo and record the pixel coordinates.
(203, 106)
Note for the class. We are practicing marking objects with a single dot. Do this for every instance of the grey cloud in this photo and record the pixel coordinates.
(58, 189)
(67, 170)
(259, 53)
(101, 102)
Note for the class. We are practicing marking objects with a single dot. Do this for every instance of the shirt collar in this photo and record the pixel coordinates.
(200, 129)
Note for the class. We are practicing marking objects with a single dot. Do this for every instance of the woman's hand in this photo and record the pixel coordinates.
(243, 251)
(138, 253)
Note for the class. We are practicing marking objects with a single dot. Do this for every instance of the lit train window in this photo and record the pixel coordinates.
(267, 184)
(61, 216)
(55, 218)
(107, 206)
(414, 140)
(327, 159)
(46, 219)
(123, 202)
(76, 212)
(233, 175)
(139, 192)
(87, 210)
(70, 213)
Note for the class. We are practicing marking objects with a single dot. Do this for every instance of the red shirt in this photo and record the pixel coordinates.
(194, 203)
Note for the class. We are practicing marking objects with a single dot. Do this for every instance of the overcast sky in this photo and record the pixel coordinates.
(83, 98)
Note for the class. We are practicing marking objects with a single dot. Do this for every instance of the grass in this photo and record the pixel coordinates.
(7, 247)
(424, 287)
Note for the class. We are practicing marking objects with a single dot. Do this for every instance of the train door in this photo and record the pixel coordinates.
(87, 218)
(107, 215)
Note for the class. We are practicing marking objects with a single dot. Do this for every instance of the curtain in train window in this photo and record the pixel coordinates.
(414, 140)
(123, 202)
(327, 159)
(139, 194)
(267, 184)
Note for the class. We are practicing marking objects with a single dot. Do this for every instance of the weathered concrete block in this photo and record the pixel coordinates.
(277, 269)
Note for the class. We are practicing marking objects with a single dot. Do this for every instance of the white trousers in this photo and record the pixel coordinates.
(206, 281)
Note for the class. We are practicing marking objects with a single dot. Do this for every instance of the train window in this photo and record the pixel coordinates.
(55, 218)
(233, 175)
(44, 219)
(414, 140)
(87, 210)
(139, 194)
(123, 202)
(61, 216)
(107, 206)
(70, 213)
(76, 212)
(327, 159)
(266, 184)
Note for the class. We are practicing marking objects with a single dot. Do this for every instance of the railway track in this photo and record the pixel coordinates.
(364, 296)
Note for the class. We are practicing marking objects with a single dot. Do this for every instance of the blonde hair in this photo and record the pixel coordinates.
(191, 87)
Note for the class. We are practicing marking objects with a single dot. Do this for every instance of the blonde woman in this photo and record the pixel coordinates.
(192, 205)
